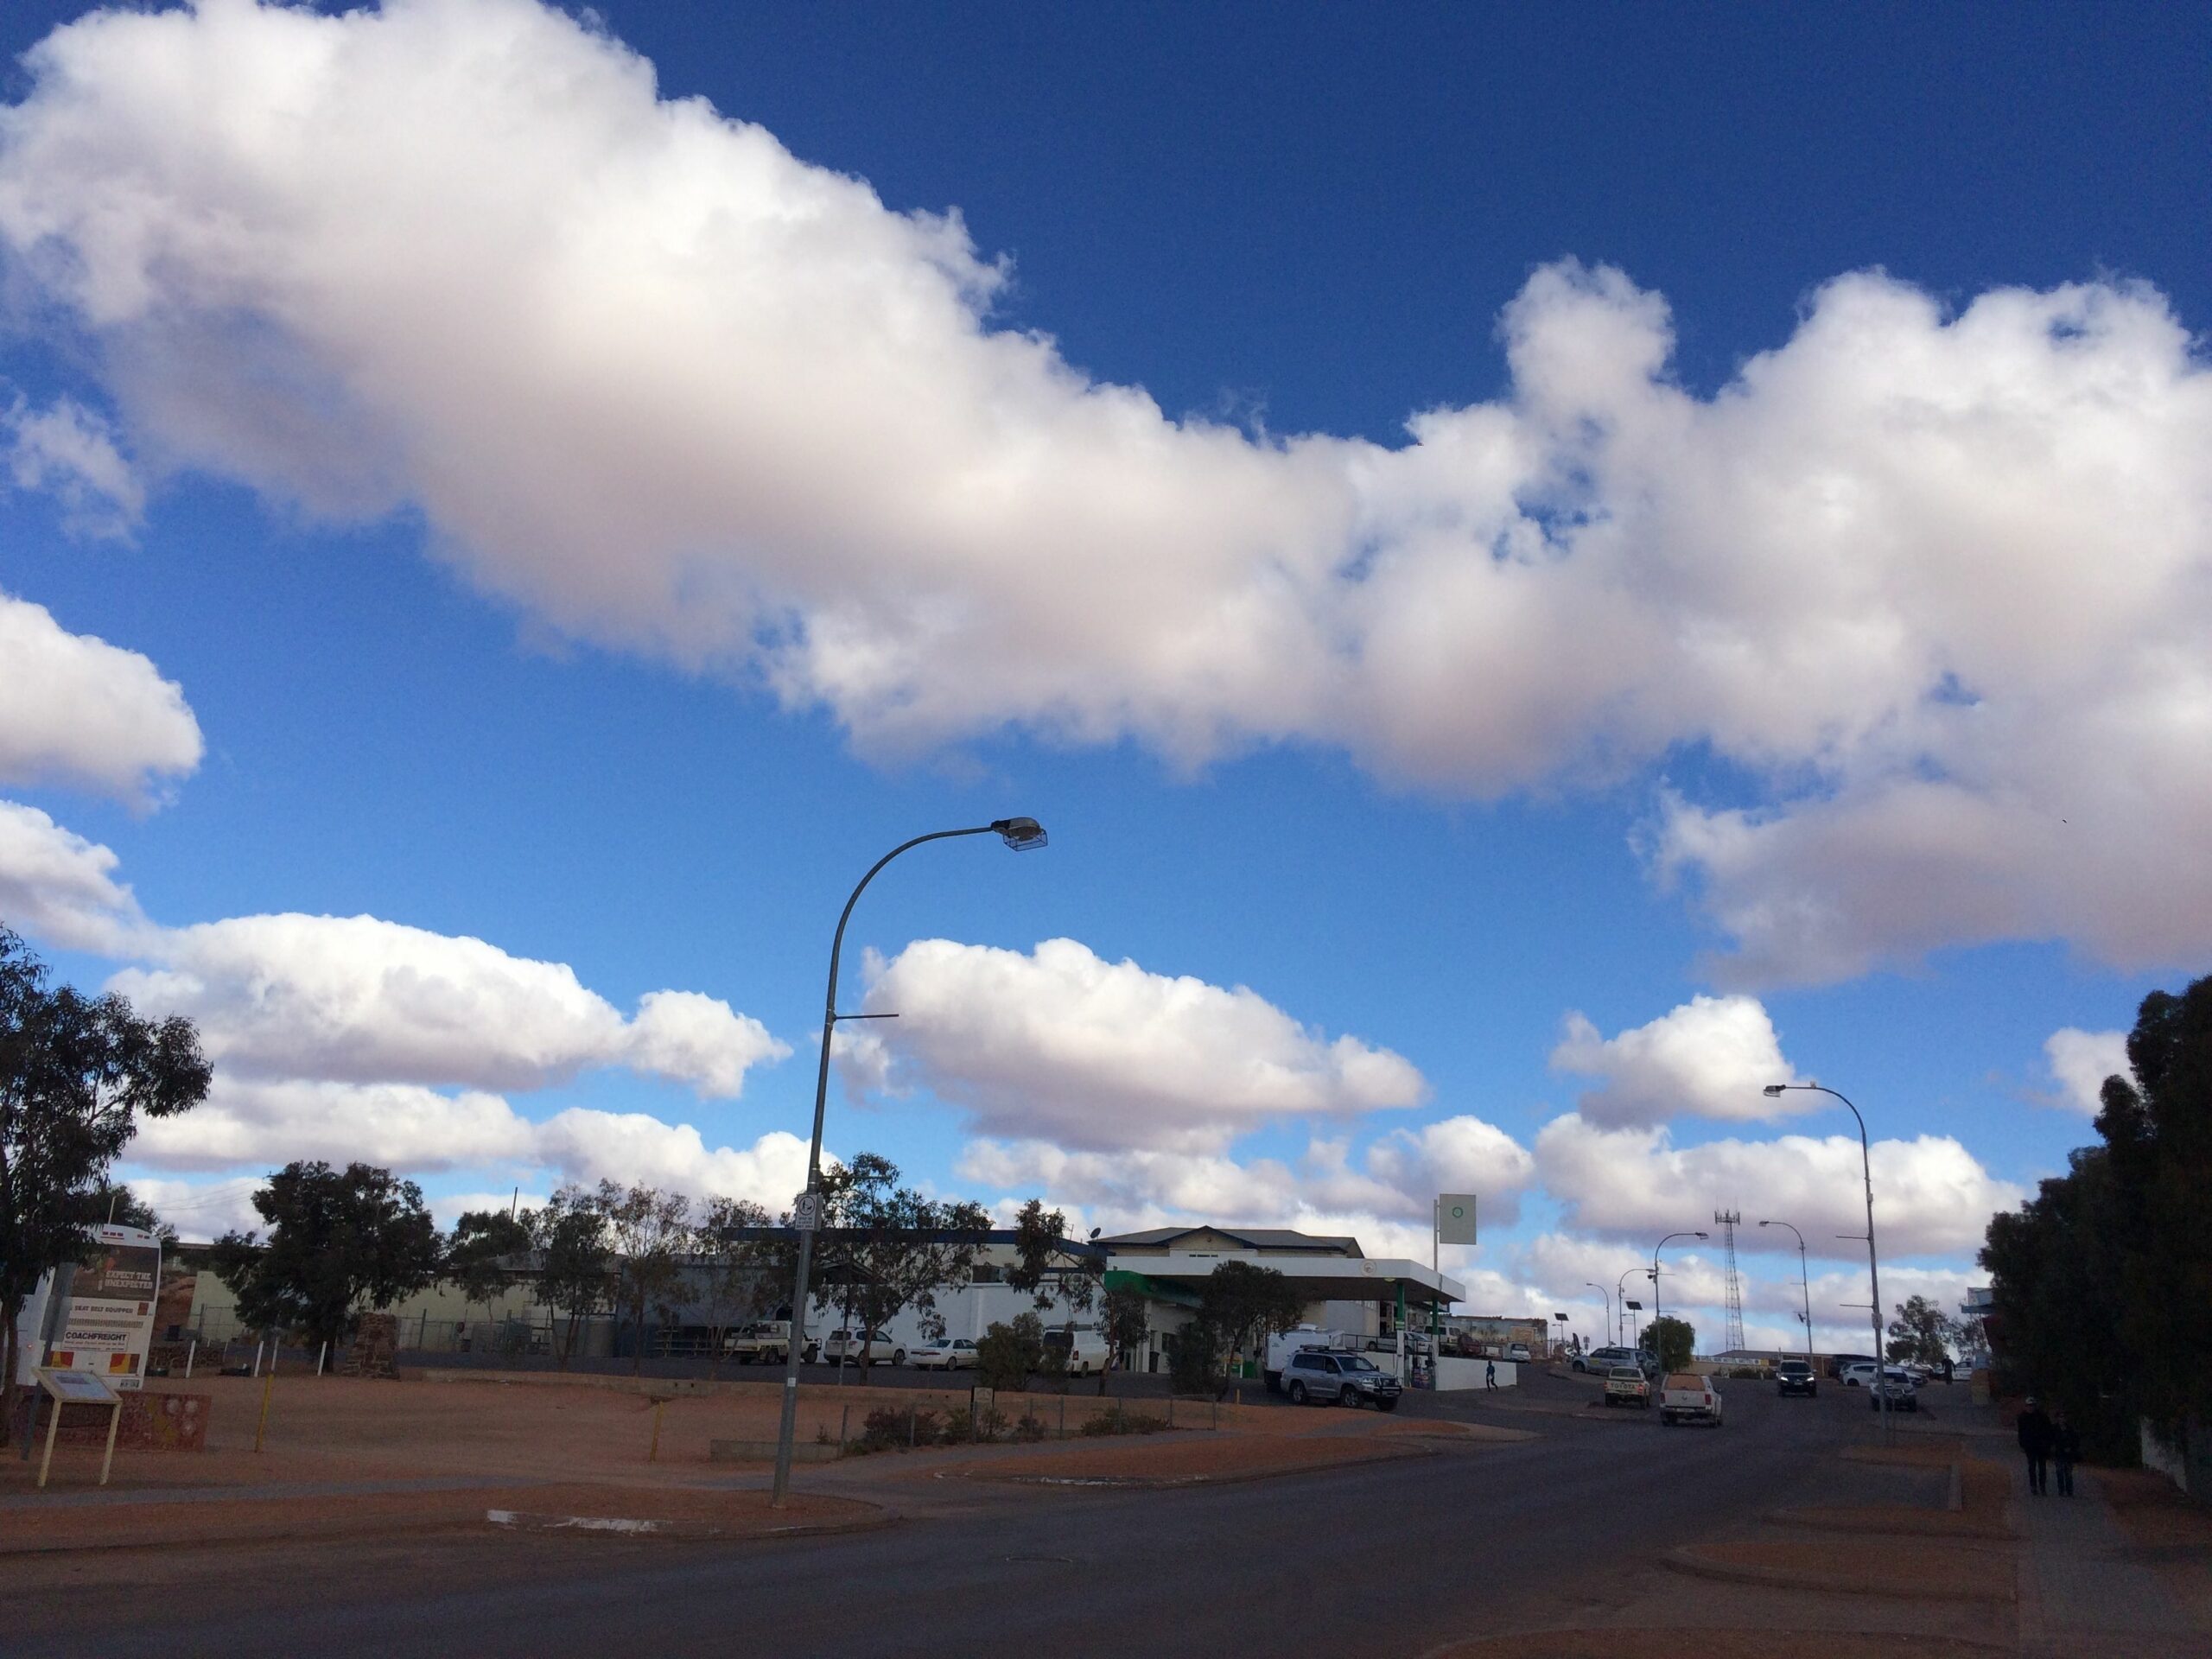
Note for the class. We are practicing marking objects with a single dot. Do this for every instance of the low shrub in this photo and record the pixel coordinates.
(1027, 1428)
(1124, 1422)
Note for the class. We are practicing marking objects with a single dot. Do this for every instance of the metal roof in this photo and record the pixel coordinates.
(1252, 1238)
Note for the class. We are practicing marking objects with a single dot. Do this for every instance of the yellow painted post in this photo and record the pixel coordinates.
(114, 1422)
(53, 1427)
(268, 1383)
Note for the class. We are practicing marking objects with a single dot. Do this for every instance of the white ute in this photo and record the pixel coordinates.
(1687, 1397)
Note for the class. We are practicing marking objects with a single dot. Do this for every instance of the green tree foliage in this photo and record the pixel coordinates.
(892, 1248)
(1008, 1355)
(1050, 1271)
(1194, 1359)
(340, 1241)
(1126, 1316)
(1670, 1341)
(576, 1264)
(77, 1074)
(484, 1253)
(1922, 1333)
(2102, 1282)
(1241, 1305)
(745, 1277)
(649, 1232)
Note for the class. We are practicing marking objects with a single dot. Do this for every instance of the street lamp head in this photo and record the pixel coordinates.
(1766, 1223)
(1023, 834)
(1773, 1090)
(1700, 1235)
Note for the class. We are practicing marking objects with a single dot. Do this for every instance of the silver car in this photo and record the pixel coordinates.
(1341, 1379)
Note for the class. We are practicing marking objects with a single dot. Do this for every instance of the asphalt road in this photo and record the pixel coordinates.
(1383, 1559)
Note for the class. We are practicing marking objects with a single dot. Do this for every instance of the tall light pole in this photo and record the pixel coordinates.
(1620, 1286)
(1608, 1295)
(1657, 1310)
(1773, 1091)
(1804, 1282)
(1021, 834)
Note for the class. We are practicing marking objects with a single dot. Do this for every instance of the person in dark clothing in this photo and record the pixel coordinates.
(2065, 1451)
(2034, 1431)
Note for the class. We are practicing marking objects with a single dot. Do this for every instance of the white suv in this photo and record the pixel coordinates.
(844, 1348)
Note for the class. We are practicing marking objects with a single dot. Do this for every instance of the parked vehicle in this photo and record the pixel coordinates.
(1859, 1374)
(1795, 1376)
(765, 1342)
(1896, 1387)
(1518, 1352)
(1602, 1360)
(1839, 1363)
(954, 1354)
(1627, 1385)
(1283, 1344)
(850, 1347)
(1325, 1376)
(1083, 1350)
(1686, 1397)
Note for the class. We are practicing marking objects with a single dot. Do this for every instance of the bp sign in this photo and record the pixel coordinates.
(1455, 1218)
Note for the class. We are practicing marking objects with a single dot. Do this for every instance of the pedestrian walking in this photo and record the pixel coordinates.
(1490, 1374)
(2034, 1432)
(2065, 1451)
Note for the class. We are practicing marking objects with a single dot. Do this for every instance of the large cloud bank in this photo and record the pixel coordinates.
(1941, 582)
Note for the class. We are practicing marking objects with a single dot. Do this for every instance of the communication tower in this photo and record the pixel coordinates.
(1729, 1220)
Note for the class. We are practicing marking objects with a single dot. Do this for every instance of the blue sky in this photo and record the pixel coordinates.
(552, 660)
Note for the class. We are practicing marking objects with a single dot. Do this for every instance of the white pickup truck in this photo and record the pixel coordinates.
(1686, 1397)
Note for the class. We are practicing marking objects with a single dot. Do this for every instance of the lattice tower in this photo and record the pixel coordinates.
(1729, 1220)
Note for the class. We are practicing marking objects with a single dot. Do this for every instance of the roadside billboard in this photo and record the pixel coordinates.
(108, 1320)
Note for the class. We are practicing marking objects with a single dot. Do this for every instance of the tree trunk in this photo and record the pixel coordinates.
(8, 1377)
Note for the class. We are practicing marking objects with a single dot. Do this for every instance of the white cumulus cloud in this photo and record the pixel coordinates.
(76, 710)
(355, 998)
(1931, 579)
(1931, 1197)
(2080, 1062)
(69, 452)
(56, 886)
(1712, 1057)
(1061, 1045)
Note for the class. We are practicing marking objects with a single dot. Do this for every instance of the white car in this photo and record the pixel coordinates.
(958, 1354)
(1859, 1374)
(845, 1348)
(1518, 1353)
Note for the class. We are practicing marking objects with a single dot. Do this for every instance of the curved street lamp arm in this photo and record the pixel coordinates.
(829, 999)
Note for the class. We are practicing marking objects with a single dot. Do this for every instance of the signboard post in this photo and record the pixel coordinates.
(68, 1387)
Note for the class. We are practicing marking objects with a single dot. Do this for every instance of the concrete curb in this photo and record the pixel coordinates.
(1688, 1561)
(1177, 1483)
(1901, 1523)
(683, 1531)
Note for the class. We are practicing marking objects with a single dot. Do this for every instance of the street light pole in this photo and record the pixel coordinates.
(1658, 1301)
(1773, 1091)
(1620, 1285)
(1609, 1323)
(1021, 834)
(1804, 1282)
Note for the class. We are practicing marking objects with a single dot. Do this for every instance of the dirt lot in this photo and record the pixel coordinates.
(349, 1456)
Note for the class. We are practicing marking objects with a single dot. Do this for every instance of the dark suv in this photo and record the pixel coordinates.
(1795, 1376)
(1347, 1379)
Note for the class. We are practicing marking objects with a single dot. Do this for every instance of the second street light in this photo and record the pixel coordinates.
(1021, 834)
(1657, 1302)
(1773, 1091)
(1611, 1324)
(1804, 1282)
